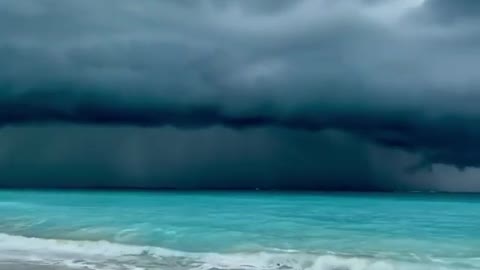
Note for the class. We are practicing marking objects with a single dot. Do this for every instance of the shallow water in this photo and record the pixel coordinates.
(228, 230)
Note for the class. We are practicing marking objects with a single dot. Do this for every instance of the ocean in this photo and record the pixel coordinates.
(56, 230)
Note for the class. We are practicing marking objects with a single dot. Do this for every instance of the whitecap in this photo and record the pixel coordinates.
(103, 255)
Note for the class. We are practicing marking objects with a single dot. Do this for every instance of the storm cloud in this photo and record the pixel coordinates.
(401, 75)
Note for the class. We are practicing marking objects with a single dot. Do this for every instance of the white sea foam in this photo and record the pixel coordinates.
(87, 248)
(103, 255)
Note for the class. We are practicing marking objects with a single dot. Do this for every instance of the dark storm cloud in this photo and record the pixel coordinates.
(98, 156)
(451, 11)
(81, 156)
(391, 72)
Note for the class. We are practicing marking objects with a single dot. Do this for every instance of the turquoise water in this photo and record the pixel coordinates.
(257, 230)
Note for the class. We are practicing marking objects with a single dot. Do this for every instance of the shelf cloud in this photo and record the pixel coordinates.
(391, 74)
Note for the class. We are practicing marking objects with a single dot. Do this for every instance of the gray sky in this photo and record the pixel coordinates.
(270, 88)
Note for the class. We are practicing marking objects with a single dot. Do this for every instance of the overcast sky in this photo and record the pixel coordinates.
(324, 94)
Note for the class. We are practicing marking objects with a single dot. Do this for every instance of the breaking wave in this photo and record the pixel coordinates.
(103, 255)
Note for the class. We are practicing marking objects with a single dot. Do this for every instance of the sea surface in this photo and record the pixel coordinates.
(56, 230)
